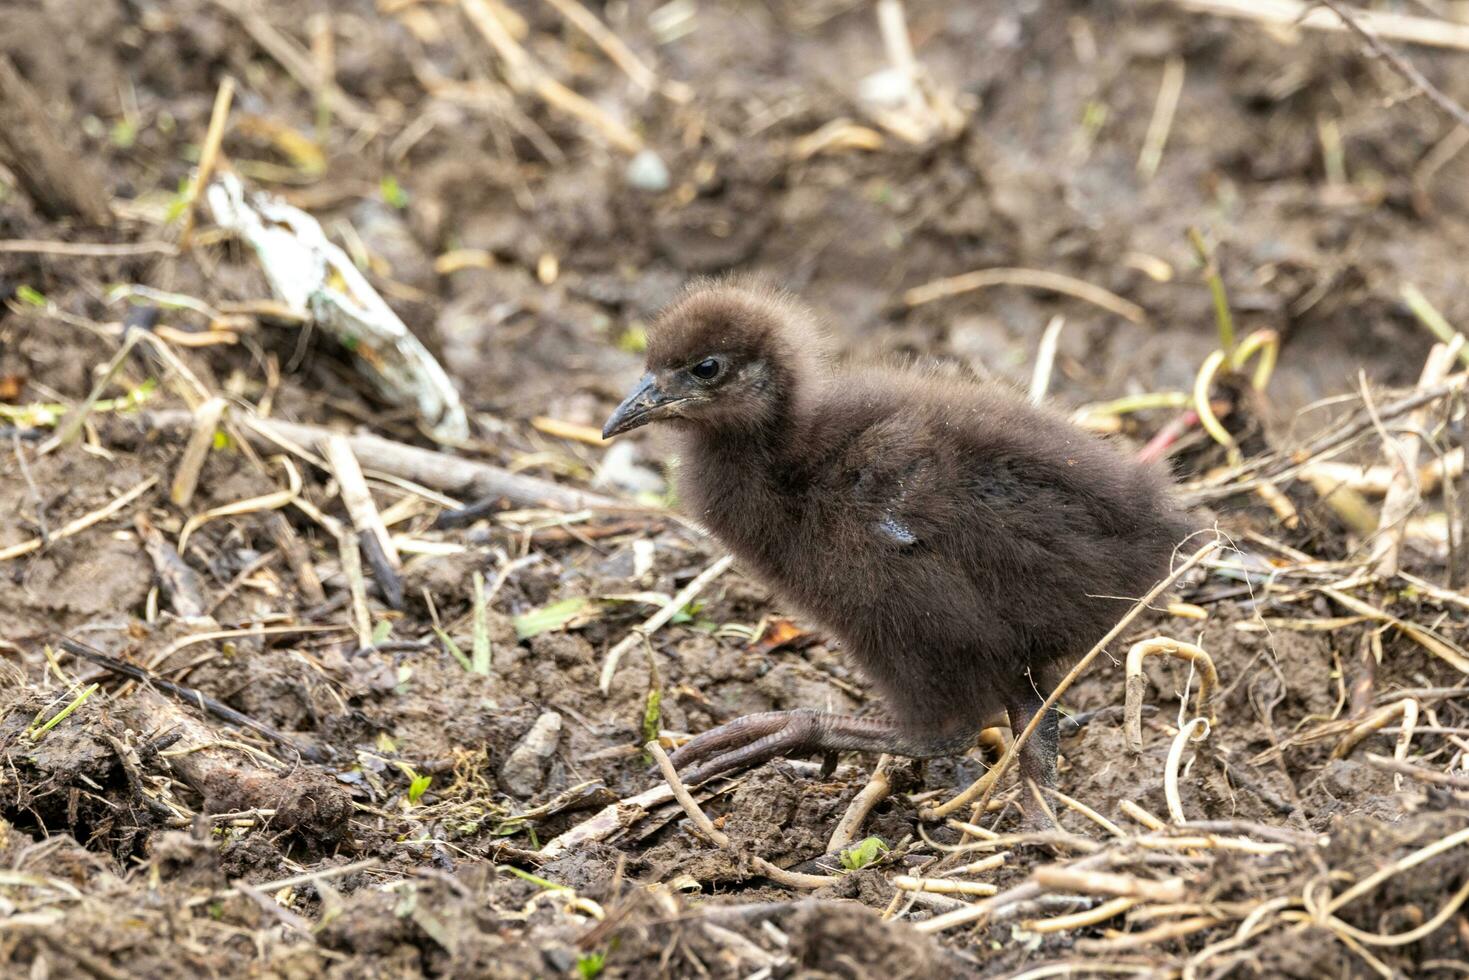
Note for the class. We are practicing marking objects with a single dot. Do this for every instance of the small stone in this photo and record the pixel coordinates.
(525, 767)
(619, 469)
(648, 172)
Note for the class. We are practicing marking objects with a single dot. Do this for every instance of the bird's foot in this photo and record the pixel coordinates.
(753, 739)
(749, 741)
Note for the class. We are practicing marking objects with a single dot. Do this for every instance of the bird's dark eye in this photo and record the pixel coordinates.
(706, 370)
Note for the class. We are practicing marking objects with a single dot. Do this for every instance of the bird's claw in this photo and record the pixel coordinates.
(747, 742)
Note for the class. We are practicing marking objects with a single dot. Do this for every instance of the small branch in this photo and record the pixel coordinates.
(189, 694)
(781, 876)
(660, 618)
(525, 74)
(442, 471)
(208, 156)
(1403, 493)
(80, 524)
(1399, 64)
(1427, 31)
(201, 439)
(1053, 282)
(1195, 731)
(879, 785)
(30, 246)
(1045, 360)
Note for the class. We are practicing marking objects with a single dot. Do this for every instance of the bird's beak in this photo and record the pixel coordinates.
(646, 404)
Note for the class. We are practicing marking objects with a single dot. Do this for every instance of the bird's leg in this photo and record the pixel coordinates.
(1037, 755)
(757, 738)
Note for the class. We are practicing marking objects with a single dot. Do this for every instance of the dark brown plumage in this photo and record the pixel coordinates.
(963, 543)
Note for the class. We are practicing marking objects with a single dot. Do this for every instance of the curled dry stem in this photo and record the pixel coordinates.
(1407, 709)
(1137, 682)
(1195, 731)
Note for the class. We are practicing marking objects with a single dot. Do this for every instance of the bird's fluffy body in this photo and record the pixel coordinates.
(959, 540)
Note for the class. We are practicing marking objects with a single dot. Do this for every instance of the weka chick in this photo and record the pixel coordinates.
(961, 542)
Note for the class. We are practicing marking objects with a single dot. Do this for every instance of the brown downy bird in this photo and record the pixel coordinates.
(962, 543)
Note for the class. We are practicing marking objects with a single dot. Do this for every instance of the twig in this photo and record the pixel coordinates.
(609, 820)
(1045, 359)
(297, 63)
(350, 555)
(208, 157)
(943, 886)
(1403, 493)
(1430, 317)
(1151, 937)
(1063, 879)
(1169, 90)
(355, 496)
(1427, 31)
(1077, 920)
(376, 544)
(441, 471)
(981, 911)
(1405, 863)
(71, 425)
(879, 785)
(80, 524)
(1085, 811)
(196, 450)
(191, 695)
(1418, 772)
(307, 878)
(297, 557)
(268, 501)
(1053, 282)
(1399, 64)
(984, 787)
(1142, 816)
(1175, 756)
(1136, 684)
(28, 246)
(618, 52)
(657, 621)
(790, 879)
(525, 74)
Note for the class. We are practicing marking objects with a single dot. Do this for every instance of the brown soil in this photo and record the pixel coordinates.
(135, 832)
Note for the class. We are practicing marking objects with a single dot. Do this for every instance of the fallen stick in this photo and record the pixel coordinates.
(142, 676)
(657, 621)
(436, 470)
(80, 524)
(877, 789)
(1053, 282)
(1403, 493)
(304, 800)
(780, 876)
(1428, 31)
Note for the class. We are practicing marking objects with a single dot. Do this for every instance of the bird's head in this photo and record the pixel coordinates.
(722, 357)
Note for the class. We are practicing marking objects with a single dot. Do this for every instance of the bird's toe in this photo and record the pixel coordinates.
(745, 743)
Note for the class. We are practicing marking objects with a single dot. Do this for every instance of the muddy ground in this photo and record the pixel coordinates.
(403, 819)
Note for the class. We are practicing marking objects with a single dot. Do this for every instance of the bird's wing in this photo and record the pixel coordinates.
(890, 473)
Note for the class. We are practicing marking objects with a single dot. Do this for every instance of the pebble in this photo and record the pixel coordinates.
(525, 767)
(648, 172)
